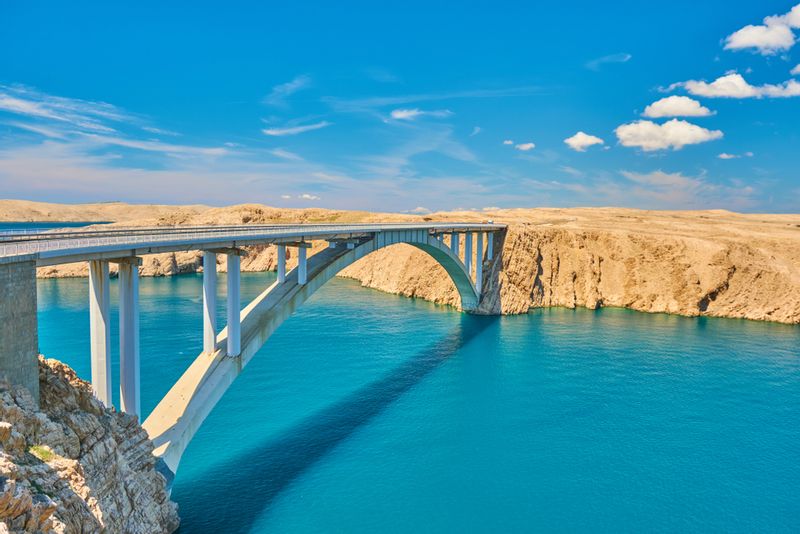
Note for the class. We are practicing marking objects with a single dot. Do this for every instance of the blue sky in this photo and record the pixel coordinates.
(417, 106)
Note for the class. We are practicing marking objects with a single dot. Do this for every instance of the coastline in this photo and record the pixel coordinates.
(693, 263)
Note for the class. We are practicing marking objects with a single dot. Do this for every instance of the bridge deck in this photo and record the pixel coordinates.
(65, 246)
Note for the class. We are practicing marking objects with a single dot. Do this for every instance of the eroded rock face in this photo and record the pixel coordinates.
(713, 263)
(73, 466)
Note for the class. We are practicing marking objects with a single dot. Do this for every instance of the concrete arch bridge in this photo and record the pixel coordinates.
(226, 351)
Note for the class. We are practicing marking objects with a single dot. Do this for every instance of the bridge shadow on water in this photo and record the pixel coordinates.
(231, 496)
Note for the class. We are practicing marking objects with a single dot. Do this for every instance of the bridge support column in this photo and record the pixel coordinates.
(19, 363)
(129, 399)
(281, 263)
(489, 245)
(209, 302)
(100, 330)
(234, 305)
(468, 252)
(479, 263)
(454, 239)
(302, 266)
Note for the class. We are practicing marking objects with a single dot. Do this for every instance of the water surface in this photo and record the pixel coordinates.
(369, 412)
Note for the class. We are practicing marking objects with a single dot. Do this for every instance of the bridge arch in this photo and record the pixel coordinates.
(181, 412)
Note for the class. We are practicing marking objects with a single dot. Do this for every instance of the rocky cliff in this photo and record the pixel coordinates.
(73, 466)
(715, 263)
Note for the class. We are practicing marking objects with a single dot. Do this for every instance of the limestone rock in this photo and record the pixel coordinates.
(74, 466)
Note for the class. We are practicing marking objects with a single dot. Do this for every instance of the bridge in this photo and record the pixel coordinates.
(462, 249)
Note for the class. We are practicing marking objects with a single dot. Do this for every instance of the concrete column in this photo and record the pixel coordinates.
(468, 252)
(302, 266)
(479, 263)
(454, 241)
(100, 330)
(129, 396)
(209, 302)
(281, 263)
(234, 305)
(489, 245)
(19, 346)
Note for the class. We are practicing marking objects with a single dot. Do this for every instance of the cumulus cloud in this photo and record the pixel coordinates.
(508, 142)
(676, 106)
(581, 141)
(525, 146)
(795, 71)
(775, 35)
(675, 134)
(294, 130)
(733, 85)
(725, 155)
(420, 210)
(414, 113)
(308, 196)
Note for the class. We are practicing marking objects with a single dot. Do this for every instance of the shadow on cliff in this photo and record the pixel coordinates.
(230, 497)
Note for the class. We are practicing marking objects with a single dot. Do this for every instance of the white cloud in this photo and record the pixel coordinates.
(294, 130)
(725, 155)
(773, 36)
(733, 85)
(508, 142)
(475, 131)
(676, 106)
(286, 197)
(277, 97)
(307, 196)
(525, 146)
(420, 210)
(285, 154)
(414, 113)
(581, 141)
(795, 71)
(83, 115)
(595, 64)
(675, 134)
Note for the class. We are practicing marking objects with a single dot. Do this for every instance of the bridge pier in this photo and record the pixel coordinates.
(18, 325)
(468, 253)
(234, 304)
(479, 262)
(454, 240)
(281, 264)
(129, 384)
(489, 245)
(100, 330)
(302, 266)
(209, 302)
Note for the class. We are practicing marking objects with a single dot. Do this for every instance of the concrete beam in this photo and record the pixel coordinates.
(129, 384)
(100, 330)
(281, 263)
(19, 348)
(234, 305)
(209, 302)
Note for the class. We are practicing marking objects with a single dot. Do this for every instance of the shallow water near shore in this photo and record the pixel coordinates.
(371, 412)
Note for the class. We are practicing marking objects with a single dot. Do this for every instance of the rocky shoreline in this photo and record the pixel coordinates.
(74, 466)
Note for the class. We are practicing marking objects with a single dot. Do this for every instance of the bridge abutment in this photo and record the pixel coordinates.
(19, 344)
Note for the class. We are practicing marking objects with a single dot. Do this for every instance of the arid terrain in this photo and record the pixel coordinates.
(715, 263)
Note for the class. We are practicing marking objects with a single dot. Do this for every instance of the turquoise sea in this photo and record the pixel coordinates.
(368, 412)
